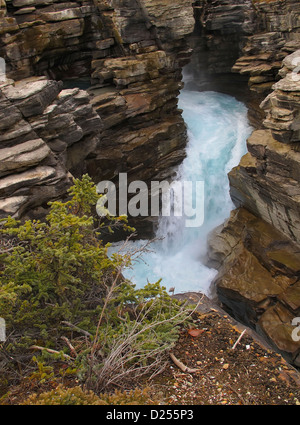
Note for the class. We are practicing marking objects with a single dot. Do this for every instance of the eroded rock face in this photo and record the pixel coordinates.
(131, 55)
(40, 125)
(264, 50)
(266, 181)
(283, 104)
(239, 46)
(225, 25)
(257, 250)
(222, 28)
(258, 279)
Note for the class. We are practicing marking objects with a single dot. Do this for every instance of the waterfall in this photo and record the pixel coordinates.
(217, 132)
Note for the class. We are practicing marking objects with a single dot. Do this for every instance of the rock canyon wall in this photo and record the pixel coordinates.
(129, 54)
(239, 46)
(257, 250)
(92, 86)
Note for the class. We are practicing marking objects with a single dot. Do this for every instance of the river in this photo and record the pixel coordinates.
(217, 131)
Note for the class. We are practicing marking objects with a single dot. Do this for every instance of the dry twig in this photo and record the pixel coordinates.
(76, 328)
(238, 340)
(67, 341)
(49, 350)
(182, 366)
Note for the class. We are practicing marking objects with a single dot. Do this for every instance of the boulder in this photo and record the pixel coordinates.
(258, 278)
(276, 324)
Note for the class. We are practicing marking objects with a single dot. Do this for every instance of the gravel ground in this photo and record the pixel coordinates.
(248, 374)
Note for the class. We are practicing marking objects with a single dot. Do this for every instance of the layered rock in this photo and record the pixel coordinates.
(283, 104)
(225, 25)
(41, 125)
(222, 27)
(128, 53)
(257, 250)
(258, 279)
(278, 36)
(136, 94)
(239, 46)
(266, 181)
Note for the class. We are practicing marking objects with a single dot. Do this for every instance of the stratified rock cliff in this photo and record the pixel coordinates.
(278, 35)
(221, 30)
(129, 54)
(257, 250)
(92, 86)
(41, 125)
(239, 46)
(267, 179)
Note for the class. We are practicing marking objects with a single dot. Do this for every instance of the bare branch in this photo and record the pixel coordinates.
(76, 328)
(49, 350)
(238, 340)
(182, 366)
(73, 351)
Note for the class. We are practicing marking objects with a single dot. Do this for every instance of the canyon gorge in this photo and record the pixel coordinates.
(92, 87)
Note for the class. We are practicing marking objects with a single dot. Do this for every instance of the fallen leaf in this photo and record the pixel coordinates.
(226, 366)
(195, 332)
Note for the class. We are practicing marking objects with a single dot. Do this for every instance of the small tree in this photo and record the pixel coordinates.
(55, 270)
(60, 291)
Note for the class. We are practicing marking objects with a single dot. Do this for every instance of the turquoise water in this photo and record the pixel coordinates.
(217, 132)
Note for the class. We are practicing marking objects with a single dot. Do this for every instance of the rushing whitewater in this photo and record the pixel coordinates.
(217, 132)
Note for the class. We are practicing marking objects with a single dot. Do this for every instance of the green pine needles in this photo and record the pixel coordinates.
(64, 298)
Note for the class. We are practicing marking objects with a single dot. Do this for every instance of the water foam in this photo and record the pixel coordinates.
(217, 132)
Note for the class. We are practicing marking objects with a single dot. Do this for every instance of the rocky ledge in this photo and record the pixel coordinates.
(239, 46)
(267, 179)
(277, 35)
(257, 249)
(41, 125)
(128, 54)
